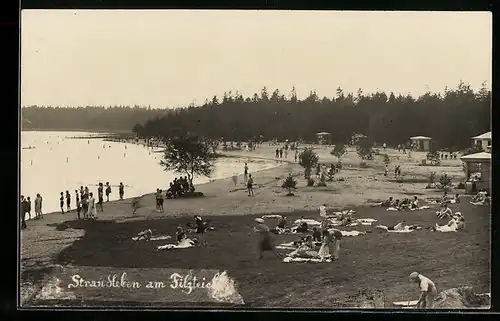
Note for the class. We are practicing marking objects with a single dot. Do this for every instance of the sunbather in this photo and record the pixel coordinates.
(482, 198)
(303, 227)
(445, 212)
(282, 223)
(316, 235)
(450, 227)
(460, 221)
(414, 205)
(398, 227)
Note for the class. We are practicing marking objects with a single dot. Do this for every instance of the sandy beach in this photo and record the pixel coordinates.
(43, 240)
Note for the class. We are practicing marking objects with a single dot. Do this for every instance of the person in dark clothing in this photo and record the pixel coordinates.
(28, 207)
(61, 202)
(316, 235)
(277, 153)
(22, 208)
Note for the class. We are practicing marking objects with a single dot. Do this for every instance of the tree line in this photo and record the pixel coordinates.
(118, 118)
(451, 118)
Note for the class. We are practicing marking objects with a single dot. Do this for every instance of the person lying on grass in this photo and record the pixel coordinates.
(200, 226)
(265, 239)
(305, 249)
(445, 212)
(482, 198)
(428, 291)
(386, 203)
(452, 226)
(399, 227)
(144, 235)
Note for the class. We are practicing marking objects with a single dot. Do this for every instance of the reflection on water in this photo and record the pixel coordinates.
(56, 163)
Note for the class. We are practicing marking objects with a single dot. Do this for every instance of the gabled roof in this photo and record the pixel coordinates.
(483, 136)
(420, 138)
(478, 156)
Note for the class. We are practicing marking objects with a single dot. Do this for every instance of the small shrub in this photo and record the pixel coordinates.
(445, 181)
(289, 183)
(387, 159)
(310, 182)
(308, 159)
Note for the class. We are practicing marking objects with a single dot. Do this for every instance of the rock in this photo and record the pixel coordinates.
(462, 297)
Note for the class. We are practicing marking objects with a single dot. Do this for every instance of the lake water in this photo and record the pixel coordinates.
(57, 162)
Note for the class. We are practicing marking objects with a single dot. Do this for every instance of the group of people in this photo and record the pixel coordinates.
(179, 187)
(25, 208)
(85, 202)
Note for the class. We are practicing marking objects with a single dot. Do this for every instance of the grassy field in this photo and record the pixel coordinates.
(375, 261)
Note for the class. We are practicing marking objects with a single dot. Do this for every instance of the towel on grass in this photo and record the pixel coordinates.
(272, 216)
(406, 303)
(185, 243)
(309, 222)
(299, 259)
(351, 233)
(286, 246)
(366, 221)
(153, 238)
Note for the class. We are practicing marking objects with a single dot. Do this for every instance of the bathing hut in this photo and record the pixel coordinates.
(477, 171)
(482, 142)
(422, 143)
(323, 138)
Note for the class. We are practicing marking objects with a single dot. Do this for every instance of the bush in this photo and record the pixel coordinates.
(289, 183)
(387, 159)
(308, 159)
(445, 181)
(310, 182)
(339, 151)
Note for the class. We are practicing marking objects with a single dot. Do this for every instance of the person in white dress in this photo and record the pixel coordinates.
(92, 208)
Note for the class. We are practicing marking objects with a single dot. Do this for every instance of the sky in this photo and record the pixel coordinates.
(171, 58)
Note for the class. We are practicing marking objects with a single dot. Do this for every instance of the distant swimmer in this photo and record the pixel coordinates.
(67, 159)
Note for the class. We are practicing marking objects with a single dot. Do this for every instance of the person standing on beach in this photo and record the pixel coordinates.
(277, 153)
(85, 205)
(22, 212)
(250, 185)
(281, 152)
(92, 211)
(296, 155)
(246, 172)
(38, 206)
(100, 196)
(121, 190)
(61, 202)
(68, 201)
(28, 207)
(78, 204)
(108, 191)
(158, 196)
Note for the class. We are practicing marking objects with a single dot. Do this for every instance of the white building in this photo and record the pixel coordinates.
(422, 143)
(483, 141)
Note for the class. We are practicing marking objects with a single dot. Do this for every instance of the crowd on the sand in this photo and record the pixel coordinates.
(86, 205)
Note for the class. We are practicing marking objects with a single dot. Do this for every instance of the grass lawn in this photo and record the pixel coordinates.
(375, 261)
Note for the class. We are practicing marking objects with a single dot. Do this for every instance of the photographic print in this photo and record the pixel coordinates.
(226, 159)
